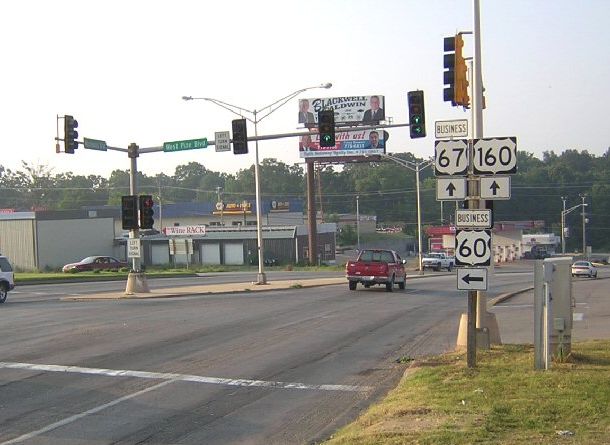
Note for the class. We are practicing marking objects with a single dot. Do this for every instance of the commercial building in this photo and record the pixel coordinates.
(46, 240)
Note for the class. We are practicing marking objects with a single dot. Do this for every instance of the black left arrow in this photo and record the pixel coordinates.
(451, 188)
(467, 278)
(494, 188)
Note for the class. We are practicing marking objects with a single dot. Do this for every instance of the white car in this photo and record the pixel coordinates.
(584, 268)
(7, 279)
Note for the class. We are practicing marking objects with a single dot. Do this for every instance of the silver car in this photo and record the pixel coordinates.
(584, 269)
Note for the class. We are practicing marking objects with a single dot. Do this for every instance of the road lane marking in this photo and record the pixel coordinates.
(181, 377)
(76, 417)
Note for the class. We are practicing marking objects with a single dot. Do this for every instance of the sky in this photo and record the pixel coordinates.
(121, 68)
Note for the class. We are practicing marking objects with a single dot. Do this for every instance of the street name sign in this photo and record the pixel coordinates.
(472, 247)
(494, 155)
(190, 144)
(495, 187)
(451, 157)
(95, 144)
(222, 141)
(451, 129)
(450, 188)
(133, 248)
(472, 279)
(480, 219)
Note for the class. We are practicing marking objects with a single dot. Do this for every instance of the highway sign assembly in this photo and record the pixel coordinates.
(222, 140)
(472, 278)
(494, 155)
(451, 129)
(495, 187)
(451, 157)
(450, 188)
(190, 144)
(473, 247)
(478, 218)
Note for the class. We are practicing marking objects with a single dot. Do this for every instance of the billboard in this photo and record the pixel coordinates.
(366, 110)
(352, 143)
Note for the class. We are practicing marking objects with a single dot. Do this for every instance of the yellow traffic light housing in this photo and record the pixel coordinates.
(461, 78)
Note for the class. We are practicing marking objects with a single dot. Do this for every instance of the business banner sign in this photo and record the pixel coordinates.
(351, 143)
(348, 110)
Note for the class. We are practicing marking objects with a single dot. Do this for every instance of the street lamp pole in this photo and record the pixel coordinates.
(261, 278)
(584, 242)
(416, 167)
(358, 220)
(571, 209)
(563, 226)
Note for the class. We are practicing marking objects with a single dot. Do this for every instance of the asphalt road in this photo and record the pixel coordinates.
(284, 367)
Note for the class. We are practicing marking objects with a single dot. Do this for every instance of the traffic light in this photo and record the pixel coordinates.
(455, 75)
(70, 134)
(146, 212)
(326, 128)
(417, 115)
(129, 212)
(240, 137)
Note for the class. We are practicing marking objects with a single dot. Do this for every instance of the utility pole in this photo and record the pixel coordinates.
(563, 226)
(584, 232)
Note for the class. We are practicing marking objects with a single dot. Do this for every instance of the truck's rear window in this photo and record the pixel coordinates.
(5, 266)
(376, 256)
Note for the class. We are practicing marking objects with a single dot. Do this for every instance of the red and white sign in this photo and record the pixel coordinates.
(184, 230)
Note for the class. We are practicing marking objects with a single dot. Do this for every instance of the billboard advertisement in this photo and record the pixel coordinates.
(366, 110)
(352, 143)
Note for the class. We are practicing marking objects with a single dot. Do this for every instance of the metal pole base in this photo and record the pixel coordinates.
(261, 278)
(136, 283)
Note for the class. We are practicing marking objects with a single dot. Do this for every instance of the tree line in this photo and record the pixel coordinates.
(383, 188)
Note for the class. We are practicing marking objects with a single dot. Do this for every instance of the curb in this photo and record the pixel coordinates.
(503, 297)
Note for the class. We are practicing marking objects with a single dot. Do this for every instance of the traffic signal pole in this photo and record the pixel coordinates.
(136, 280)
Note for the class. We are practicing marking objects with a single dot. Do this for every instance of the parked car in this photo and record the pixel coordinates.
(95, 263)
(584, 268)
(7, 278)
(376, 266)
(438, 261)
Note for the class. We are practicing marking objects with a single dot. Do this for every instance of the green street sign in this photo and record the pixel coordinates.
(191, 144)
(94, 144)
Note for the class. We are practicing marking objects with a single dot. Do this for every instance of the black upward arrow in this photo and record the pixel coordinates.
(467, 278)
(451, 188)
(494, 188)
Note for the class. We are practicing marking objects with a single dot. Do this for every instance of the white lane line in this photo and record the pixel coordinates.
(76, 417)
(181, 377)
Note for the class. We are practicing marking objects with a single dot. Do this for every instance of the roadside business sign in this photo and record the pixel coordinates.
(348, 110)
(350, 143)
(184, 230)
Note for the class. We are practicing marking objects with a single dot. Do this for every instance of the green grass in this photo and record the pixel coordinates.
(502, 401)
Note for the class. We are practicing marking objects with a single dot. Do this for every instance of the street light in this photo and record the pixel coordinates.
(358, 220)
(416, 167)
(261, 279)
(563, 222)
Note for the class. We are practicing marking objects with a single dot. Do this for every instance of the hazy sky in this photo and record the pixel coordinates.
(121, 67)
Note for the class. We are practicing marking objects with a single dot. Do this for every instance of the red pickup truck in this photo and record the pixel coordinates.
(376, 266)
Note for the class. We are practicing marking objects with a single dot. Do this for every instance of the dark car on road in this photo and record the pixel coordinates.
(95, 263)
